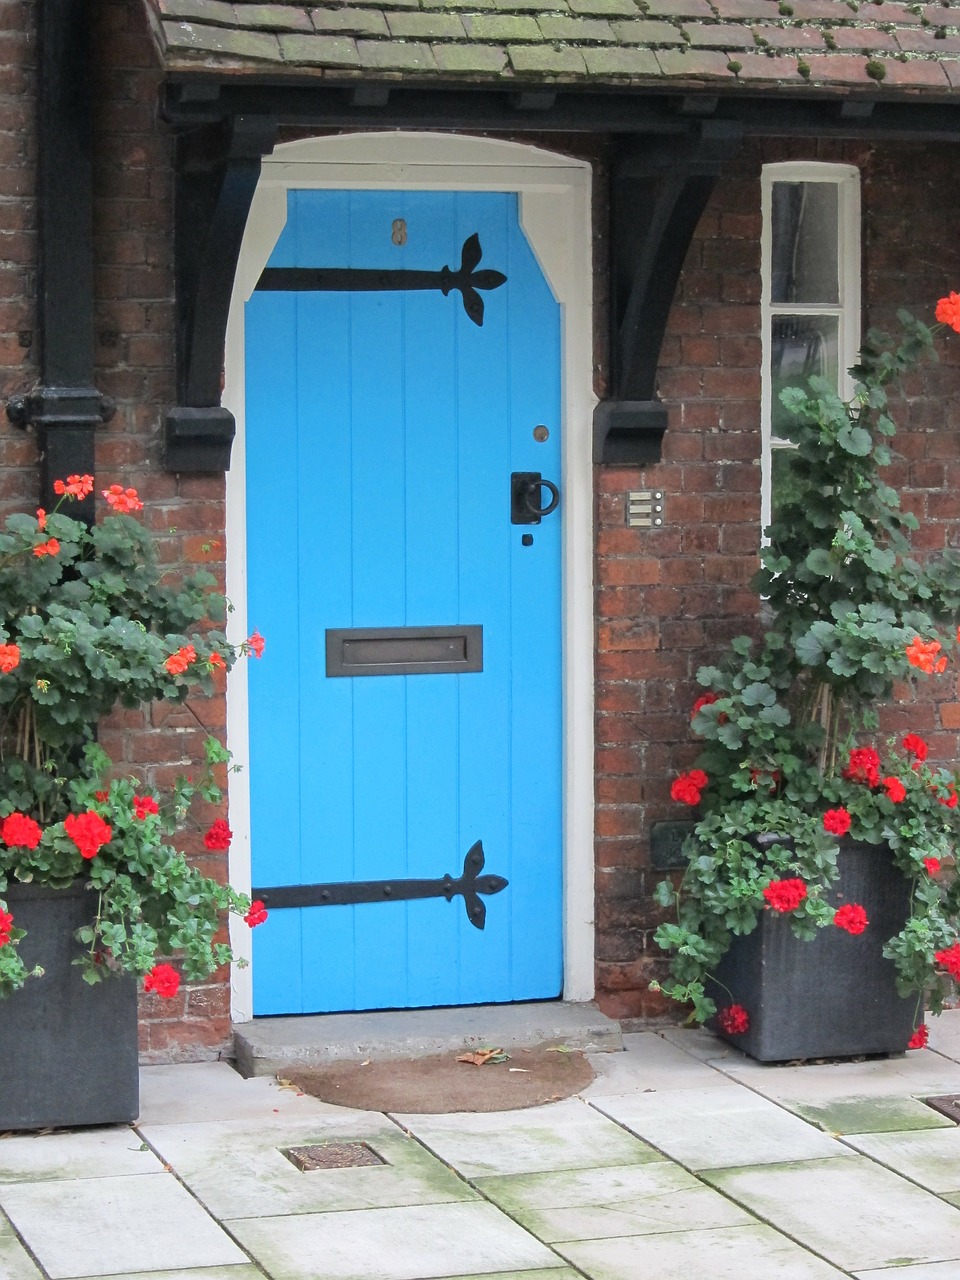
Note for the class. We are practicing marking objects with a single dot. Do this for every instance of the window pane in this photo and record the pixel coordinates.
(801, 347)
(782, 486)
(804, 246)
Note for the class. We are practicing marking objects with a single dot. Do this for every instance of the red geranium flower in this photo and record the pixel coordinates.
(948, 311)
(142, 805)
(215, 660)
(257, 914)
(41, 519)
(932, 865)
(949, 959)
(19, 830)
(915, 746)
(919, 1038)
(852, 917)
(74, 487)
(837, 821)
(733, 1020)
(178, 662)
(785, 895)
(163, 979)
(6, 924)
(895, 789)
(255, 643)
(9, 657)
(219, 835)
(688, 787)
(122, 500)
(48, 548)
(950, 799)
(864, 766)
(101, 796)
(922, 654)
(88, 831)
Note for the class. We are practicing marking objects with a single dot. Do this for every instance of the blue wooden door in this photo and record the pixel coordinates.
(382, 428)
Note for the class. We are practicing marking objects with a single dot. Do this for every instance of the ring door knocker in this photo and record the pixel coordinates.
(526, 495)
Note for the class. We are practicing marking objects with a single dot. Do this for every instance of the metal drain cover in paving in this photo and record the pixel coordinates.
(948, 1104)
(332, 1155)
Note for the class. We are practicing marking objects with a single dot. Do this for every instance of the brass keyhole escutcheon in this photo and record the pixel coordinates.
(540, 434)
(399, 231)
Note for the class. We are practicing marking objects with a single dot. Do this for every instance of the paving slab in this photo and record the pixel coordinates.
(187, 1093)
(553, 1273)
(650, 1062)
(915, 1074)
(88, 1153)
(114, 1225)
(597, 1203)
(716, 1127)
(945, 1034)
(871, 1114)
(565, 1135)
(925, 1271)
(411, 1243)
(732, 1253)
(852, 1212)
(267, 1046)
(239, 1172)
(247, 1272)
(930, 1158)
(15, 1262)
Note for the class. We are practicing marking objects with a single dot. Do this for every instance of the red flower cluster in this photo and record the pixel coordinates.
(950, 799)
(733, 1020)
(122, 500)
(74, 487)
(948, 311)
(688, 787)
(88, 831)
(255, 643)
(178, 662)
(922, 654)
(950, 960)
(864, 766)
(852, 917)
(19, 830)
(932, 865)
(9, 657)
(48, 548)
(142, 805)
(785, 895)
(895, 789)
(915, 746)
(919, 1038)
(41, 519)
(257, 914)
(163, 979)
(837, 821)
(219, 836)
(215, 660)
(6, 924)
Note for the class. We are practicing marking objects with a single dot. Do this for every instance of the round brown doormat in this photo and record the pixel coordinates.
(436, 1085)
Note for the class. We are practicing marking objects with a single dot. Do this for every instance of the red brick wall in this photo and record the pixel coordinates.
(669, 599)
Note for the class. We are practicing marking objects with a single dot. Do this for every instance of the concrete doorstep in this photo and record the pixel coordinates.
(267, 1046)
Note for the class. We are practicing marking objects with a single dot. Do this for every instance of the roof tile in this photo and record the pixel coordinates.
(642, 32)
(858, 38)
(479, 58)
(679, 9)
(425, 26)
(195, 38)
(925, 40)
(763, 66)
(726, 35)
(621, 62)
(327, 51)
(201, 10)
(695, 64)
(789, 37)
(608, 8)
(396, 55)
(491, 27)
(596, 30)
(351, 22)
(282, 17)
(546, 60)
(746, 8)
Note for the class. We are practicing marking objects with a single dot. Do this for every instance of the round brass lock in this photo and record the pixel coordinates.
(540, 434)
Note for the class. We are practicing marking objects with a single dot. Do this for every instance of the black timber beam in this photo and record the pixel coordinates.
(217, 168)
(65, 408)
(659, 191)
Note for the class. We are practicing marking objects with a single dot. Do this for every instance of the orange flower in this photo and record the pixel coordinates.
(255, 644)
(215, 660)
(922, 654)
(41, 519)
(122, 500)
(178, 662)
(948, 311)
(48, 548)
(74, 487)
(9, 657)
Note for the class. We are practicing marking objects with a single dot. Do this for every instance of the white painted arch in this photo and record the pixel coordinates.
(554, 194)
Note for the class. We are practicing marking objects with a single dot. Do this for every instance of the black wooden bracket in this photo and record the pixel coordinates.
(65, 409)
(217, 168)
(659, 191)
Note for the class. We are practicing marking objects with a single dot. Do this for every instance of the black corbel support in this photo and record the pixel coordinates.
(217, 172)
(658, 193)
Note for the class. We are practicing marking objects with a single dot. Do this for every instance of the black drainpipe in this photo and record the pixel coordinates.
(65, 408)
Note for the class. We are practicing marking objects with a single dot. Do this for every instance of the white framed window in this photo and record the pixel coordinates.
(810, 303)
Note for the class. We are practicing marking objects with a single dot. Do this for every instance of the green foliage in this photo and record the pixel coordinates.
(844, 599)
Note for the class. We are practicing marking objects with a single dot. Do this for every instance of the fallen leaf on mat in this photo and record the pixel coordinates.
(481, 1058)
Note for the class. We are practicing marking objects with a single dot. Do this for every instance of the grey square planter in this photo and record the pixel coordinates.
(832, 997)
(68, 1050)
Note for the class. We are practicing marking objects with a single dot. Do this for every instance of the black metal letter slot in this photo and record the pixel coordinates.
(404, 651)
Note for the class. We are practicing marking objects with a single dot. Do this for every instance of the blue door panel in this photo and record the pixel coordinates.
(382, 428)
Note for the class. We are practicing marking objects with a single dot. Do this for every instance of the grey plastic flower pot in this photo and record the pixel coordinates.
(68, 1050)
(834, 996)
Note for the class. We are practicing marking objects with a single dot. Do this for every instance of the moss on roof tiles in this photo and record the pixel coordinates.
(890, 47)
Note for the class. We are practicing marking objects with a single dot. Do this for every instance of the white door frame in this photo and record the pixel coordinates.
(554, 193)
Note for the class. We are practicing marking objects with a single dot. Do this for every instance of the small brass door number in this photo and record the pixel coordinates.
(644, 508)
(399, 231)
